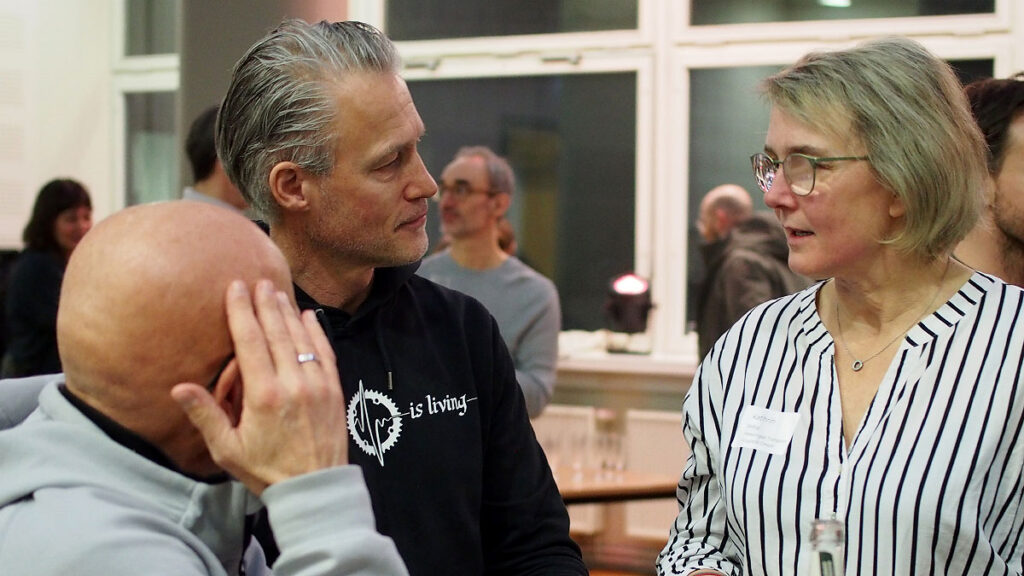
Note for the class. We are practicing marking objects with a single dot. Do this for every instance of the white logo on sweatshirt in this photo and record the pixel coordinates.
(375, 422)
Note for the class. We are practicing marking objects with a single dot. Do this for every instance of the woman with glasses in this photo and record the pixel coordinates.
(874, 418)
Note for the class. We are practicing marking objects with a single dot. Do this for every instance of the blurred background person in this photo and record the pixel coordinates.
(475, 192)
(61, 216)
(745, 256)
(996, 245)
(881, 403)
(210, 183)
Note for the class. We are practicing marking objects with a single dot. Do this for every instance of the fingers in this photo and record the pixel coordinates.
(247, 335)
(321, 345)
(290, 418)
(272, 325)
(273, 321)
(297, 332)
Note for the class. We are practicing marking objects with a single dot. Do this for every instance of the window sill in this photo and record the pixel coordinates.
(586, 352)
(642, 364)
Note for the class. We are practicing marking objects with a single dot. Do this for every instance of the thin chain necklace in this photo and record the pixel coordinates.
(858, 364)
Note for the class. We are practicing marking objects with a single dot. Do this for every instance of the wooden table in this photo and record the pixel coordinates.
(591, 485)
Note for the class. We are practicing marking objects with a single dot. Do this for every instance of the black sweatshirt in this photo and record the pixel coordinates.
(439, 426)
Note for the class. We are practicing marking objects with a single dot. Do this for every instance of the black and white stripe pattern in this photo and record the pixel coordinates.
(933, 482)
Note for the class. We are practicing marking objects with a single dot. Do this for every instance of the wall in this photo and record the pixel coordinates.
(209, 49)
(55, 104)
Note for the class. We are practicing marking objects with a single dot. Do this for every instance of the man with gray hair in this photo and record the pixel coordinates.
(320, 133)
(476, 190)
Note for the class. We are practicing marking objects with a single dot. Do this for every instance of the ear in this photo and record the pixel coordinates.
(990, 192)
(502, 202)
(723, 221)
(290, 186)
(228, 392)
(896, 208)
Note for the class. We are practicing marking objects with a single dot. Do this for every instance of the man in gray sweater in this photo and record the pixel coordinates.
(475, 192)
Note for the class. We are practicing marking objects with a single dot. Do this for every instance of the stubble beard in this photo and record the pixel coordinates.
(1010, 225)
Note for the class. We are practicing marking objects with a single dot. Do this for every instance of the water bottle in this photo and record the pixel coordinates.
(828, 541)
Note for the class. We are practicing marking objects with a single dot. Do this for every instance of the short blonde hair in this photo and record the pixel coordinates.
(908, 109)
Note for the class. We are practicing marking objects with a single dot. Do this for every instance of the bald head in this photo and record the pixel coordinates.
(142, 302)
(721, 209)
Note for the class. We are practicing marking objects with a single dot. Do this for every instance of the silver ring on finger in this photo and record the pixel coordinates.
(307, 357)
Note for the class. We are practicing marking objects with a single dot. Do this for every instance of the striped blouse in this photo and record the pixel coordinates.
(932, 482)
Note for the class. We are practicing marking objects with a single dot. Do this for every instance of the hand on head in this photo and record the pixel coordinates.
(143, 309)
(292, 414)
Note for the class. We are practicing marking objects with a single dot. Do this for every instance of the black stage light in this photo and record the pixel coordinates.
(629, 301)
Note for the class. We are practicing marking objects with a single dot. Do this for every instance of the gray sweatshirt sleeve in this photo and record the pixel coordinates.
(324, 525)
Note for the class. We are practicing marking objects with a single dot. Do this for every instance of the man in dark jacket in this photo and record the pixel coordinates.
(745, 255)
(320, 133)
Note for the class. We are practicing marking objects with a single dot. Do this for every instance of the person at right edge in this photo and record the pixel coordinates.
(436, 418)
(885, 401)
(996, 244)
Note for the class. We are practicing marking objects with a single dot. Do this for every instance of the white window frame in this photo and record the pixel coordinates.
(133, 75)
(670, 48)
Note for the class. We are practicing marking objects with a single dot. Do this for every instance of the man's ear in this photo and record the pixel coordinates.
(289, 185)
(502, 202)
(228, 392)
(990, 192)
(723, 222)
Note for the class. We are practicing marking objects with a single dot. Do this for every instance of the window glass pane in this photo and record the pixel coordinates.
(434, 19)
(728, 121)
(572, 142)
(747, 11)
(151, 27)
(970, 70)
(152, 153)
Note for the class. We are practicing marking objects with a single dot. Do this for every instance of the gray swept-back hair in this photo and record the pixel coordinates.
(279, 105)
(908, 109)
(499, 172)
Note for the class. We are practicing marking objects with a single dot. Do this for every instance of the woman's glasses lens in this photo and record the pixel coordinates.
(764, 171)
(796, 168)
(799, 174)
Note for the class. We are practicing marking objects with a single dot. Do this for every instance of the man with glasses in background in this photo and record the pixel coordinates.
(475, 192)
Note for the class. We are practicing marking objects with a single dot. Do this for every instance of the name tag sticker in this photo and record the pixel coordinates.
(767, 430)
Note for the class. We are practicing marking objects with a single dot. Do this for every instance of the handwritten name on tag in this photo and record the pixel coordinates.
(767, 430)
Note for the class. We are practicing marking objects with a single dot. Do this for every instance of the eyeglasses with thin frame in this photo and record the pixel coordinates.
(800, 170)
(461, 190)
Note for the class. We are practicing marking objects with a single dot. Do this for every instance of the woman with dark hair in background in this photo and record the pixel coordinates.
(60, 218)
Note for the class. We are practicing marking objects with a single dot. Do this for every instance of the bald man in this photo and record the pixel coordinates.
(746, 260)
(185, 359)
(721, 209)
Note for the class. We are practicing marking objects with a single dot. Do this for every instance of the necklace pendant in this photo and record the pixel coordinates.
(857, 365)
